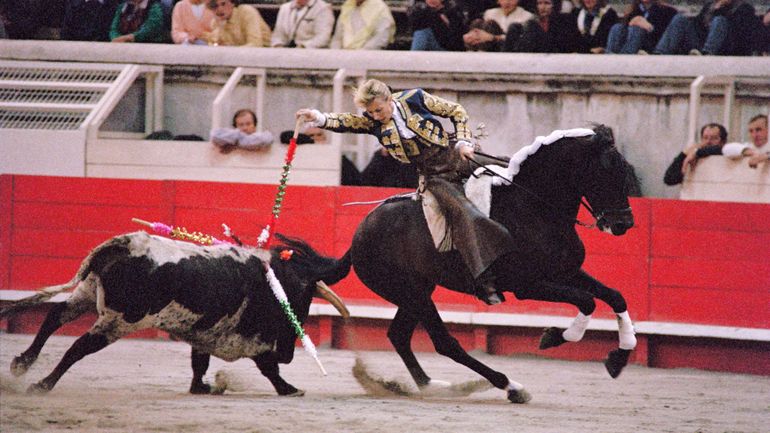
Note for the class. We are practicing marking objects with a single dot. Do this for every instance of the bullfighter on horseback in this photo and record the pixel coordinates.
(406, 124)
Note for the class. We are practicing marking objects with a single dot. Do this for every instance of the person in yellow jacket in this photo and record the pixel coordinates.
(364, 25)
(237, 25)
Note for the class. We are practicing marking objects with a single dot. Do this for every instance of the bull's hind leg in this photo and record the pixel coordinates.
(268, 366)
(200, 364)
(107, 329)
(81, 301)
(617, 359)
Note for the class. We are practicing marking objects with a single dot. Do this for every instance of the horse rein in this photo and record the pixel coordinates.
(541, 200)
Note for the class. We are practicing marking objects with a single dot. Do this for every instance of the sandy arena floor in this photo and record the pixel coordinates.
(141, 386)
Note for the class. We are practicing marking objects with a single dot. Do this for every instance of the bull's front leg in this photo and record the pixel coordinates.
(200, 364)
(268, 365)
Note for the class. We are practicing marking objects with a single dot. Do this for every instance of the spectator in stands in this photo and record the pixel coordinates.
(643, 24)
(509, 17)
(190, 21)
(546, 33)
(364, 25)
(593, 21)
(762, 36)
(243, 134)
(437, 25)
(303, 24)
(237, 25)
(723, 27)
(712, 137)
(86, 20)
(757, 150)
(138, 21)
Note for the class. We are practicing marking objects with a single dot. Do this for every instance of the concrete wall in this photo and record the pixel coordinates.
(518, 96)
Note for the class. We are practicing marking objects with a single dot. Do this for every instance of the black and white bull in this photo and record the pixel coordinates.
(215, 298)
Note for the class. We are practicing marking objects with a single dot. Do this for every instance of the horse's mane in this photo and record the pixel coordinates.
(522, 154)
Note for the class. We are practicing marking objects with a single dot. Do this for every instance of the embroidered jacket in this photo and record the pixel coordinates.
(420, 111)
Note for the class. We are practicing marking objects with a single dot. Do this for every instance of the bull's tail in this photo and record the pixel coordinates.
(39, 297)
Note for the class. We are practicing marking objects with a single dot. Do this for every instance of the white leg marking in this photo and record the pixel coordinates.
(577, 329)
(626, 331)
(514, 386)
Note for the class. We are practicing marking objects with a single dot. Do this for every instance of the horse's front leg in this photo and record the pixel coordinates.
(448, 346)
(617, 359)
(400, 335)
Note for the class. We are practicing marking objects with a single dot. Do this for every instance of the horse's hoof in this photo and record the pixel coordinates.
(20, 365)
(38, 388)
(297, 393)
(551, 338)
(201, 388)
(616, 360)
(520, 397)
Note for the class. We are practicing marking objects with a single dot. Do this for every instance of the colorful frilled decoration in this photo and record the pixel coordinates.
(266, 237)
(181, 233)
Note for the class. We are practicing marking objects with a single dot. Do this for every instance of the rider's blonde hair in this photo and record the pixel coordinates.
(369, 91)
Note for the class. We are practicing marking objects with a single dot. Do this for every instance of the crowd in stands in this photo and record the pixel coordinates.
(722, 27)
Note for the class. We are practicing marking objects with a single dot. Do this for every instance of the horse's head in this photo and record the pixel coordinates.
(604, 183)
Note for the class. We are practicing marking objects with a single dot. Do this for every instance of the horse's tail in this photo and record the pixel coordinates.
(313, 265)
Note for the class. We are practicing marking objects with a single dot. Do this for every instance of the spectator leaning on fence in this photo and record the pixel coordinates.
(364, 25)
(237, 25)
(303, 24)
(712, 137)
(243, 134)
(191, 20)
(138, 21)
(757, 150)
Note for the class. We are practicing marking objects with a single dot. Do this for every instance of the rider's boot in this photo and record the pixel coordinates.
(486, 291)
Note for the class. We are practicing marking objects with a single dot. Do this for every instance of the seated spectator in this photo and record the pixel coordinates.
(384, 170)
(757, 150)
(712, 137)
(762, 36)
(237, 25)
(593, 20)
(509, 17)
(87, 20)
(303, 24)
(643, 24)
(723, 27)
(364, 25)
(545, 33)
(437, 25)
(138, 21)
(190, 21)
(243, 134)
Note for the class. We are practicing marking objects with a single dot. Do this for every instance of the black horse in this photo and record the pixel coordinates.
(393, 254)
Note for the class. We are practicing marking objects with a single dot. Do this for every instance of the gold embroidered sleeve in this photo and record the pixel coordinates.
(451, 110)
(348, 122)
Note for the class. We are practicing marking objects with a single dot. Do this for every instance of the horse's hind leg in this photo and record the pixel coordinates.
(81, 301)
(447, 345)
(400, 335)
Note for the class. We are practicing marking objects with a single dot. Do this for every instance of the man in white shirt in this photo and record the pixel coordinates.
(303, 24)
(757, 150)
(508, 13)
(364, 25)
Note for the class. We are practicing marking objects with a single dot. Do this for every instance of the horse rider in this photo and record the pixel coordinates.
(406, 124)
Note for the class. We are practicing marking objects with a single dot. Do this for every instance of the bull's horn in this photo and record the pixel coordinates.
(325, 292)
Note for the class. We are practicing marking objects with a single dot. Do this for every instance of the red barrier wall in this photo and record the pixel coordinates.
(685, 262)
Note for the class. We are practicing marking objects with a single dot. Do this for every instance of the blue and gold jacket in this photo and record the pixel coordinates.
(420, 111)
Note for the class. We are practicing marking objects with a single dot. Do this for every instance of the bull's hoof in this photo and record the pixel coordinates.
(551, 338)
(21, 364)
(616, 360)
(520, 397)
(200, 388)
(38, 388)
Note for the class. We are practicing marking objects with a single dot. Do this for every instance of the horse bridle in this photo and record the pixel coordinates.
(596, 216)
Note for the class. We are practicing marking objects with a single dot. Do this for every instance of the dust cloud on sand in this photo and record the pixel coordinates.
(141, 386)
